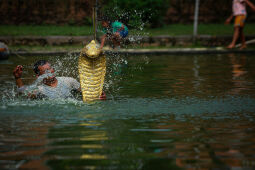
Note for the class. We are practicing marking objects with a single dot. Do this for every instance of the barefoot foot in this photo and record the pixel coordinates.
(243, 47)
(230, 46)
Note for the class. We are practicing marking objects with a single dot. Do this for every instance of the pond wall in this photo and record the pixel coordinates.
(157, 41)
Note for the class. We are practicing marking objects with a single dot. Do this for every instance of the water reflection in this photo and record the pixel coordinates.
(239, 73)
(22, 146)
(203, 145)
(142, 141)
(197, 78)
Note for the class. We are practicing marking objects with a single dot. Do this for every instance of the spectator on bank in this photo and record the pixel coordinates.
(239, 13)
(114, 31)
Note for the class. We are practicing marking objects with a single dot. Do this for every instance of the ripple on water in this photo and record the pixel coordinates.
(133, 106)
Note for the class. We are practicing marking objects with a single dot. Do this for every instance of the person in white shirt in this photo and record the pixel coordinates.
(47, 84)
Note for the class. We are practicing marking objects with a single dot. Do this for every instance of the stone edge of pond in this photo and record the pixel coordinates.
(145, 51)
(161, 40)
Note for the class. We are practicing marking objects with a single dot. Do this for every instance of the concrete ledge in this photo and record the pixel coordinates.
(182, 51)
(163, 40)
(177, 51)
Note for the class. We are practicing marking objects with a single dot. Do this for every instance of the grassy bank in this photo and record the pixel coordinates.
(28, 48)
(175, 29)
(203, 29)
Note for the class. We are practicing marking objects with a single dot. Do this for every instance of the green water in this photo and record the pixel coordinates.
(161, 112)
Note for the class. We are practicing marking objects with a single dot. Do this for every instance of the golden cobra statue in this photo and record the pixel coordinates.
(92, 68)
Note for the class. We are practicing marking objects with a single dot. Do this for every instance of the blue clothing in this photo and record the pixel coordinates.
(123, 33)
(116, 25)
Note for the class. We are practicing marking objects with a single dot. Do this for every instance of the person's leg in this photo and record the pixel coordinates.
(242, 38)
(235, 37)
(242, 23)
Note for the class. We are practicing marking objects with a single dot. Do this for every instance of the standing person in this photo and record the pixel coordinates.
(114, 31)
(239, 12)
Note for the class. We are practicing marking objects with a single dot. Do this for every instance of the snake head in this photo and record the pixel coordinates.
(92, 50)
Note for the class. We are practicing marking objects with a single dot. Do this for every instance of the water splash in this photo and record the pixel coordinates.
(135, 20)
(66, 65)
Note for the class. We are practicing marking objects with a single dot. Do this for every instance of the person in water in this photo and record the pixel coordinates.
(239, 12)
(51, 87)
(114, 31)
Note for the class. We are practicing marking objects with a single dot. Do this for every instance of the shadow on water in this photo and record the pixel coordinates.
(168, 112)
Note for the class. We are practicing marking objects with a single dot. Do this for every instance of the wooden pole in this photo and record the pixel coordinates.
(95, 19)
(94, 22)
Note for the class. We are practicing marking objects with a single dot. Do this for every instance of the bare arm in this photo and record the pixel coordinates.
(17, 73)
(103, 41)
(251, 5)
(228, 20)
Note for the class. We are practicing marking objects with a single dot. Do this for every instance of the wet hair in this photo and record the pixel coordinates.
(37, 64)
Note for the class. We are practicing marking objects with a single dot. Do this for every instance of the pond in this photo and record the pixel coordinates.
(161, 112)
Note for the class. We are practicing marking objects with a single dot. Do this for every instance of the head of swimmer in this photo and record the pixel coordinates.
(105, 24)
(105, 21)
(42, 67)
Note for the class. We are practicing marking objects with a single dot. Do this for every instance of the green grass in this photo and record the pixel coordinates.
(203, 29)
(43, 30)
(174, 29)
(70, 48)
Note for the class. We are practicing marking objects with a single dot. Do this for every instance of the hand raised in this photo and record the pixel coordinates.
(17, 72)
(227, 21)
